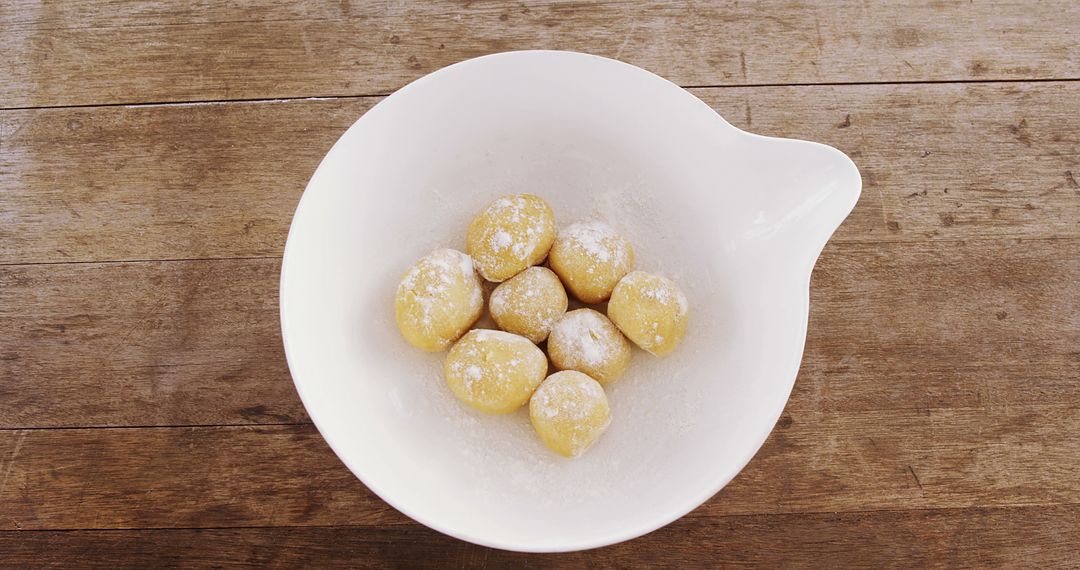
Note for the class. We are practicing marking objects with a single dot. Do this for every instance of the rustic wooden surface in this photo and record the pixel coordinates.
(149, 167)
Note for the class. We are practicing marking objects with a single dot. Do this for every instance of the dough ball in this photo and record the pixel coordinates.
(529, 303)
(586, 341)
(569, 411)
(438, 299)
(650, 310)
(494, 371)
(590, 258)
(511, 234)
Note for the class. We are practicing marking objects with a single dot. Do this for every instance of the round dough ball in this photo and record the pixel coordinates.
(511, 234)
(586, 341)
(529, 303)
(650, 310)
(494, 371)
(590, 258)
(438, 299)
(569, 411)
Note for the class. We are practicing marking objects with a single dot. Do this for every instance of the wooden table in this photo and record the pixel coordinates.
(151, 156)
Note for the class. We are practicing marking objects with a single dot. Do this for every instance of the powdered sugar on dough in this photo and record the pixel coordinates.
(570, 411)
(511, 234)
(586, 341)
(580, 332)
(500, 241)
(568, 399)
(590, 258)
(438, 298)
(650, 310)
(529, 303)
(596, 240)
(494, 371)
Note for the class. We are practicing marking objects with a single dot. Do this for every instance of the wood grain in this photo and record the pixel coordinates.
(147, 418)
(207, 477)
(939, 162)
(182, 181)
(1042, 537)
(942, 324)
(179, 477)
(101, 52)
(971, 325)
(143, 344)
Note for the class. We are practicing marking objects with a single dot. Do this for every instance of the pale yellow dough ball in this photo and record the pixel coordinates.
(650, 310)
(529, 303)
(510, 235)
(587, 341)
(590, 258)
(438, 299)
(494, 371)
(570, 412)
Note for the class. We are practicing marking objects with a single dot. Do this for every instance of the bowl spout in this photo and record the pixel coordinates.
(808, 192)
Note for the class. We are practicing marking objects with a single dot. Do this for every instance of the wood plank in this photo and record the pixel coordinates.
(101, 52)
(209, 477)
(179, 477)
(942, 324)
(159, 182)
(952, 162)
(143, 344)
(940, 162)
(1043, 537)
(970, 325)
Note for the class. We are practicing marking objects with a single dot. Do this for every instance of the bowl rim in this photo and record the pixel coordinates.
(673, 514)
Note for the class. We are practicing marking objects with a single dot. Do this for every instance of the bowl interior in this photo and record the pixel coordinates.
(736, 219)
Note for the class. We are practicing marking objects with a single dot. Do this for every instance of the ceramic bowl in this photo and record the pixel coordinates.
(736, 219)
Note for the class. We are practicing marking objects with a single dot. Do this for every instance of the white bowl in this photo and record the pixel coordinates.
(737, 219)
